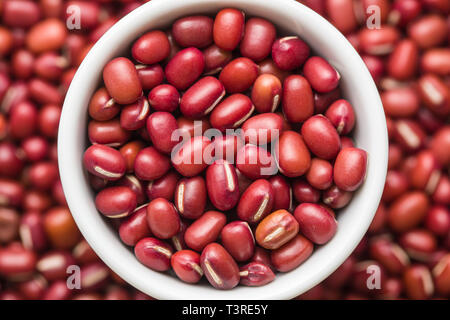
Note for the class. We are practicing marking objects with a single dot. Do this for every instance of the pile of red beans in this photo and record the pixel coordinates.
(38, 236)
(408, 240)
(231, 207)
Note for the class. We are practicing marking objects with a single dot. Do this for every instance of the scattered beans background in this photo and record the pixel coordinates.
(408, 56)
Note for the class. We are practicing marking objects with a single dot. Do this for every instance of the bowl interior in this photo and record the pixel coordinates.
(357, 85)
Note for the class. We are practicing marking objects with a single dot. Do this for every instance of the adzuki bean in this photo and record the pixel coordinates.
(222, 113)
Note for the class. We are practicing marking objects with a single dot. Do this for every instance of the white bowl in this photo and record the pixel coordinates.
(370, 134)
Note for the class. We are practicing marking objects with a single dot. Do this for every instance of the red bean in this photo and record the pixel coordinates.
(441, 274)
(97, 183)
(315, 222)
(102, 107)
(122, 81)
(320, 174)
(438, 220)
(228, 28)
(192, 157)
(267, 66)
(289, 53)
(116, 202)
(163, 187)
(204, 230)
(20, 14)
(190, 197)
(36, 148)
(193, 31)
(239, 75)
(238, 240)
(160, 126)
(7, 41)
(129, 152)
(192, 128)
(255, 274)
(151, 47)
(378, 41)
(425, 173)
(104, 162)
(151, 164)
(434, 94)
(232, 112)
(276, 229)
(154, 253)
(163, 218)
(321, 137)
(336, 198)
(150, 76)
(133, 116)
(226, 147)
(304, 192)
(259, 36)
(400, 102)
(350, 168)
(219, 267)
(16, 261)
(10, 160)
(291, 254)
(409, 134)
(262, 128)
(418, 282)
(419, 244)
(408, 211)
(42, 175)
(89, 13)
(164, 97)
(404, 11)
(428, 31)
(282, 193)
(135, 185)
(135, 227)
(186, 265)
(396, 184)
(402, 63)
(342, 15)
(33, 288)
(342, 274)
(222, 185)
(320, 74)
(46, 35)
(50, 66)
(215, 59)
(375, 65)
(9, 224)
(266, 93)
(48, 121)
(202, 97)
(389, 254)
(256, 202)
(436, 61)
(53, 265)
(44, 92)
(292, 154)
(342, 116)
(297, 100)
(83, 253)
(255, 162)
(178, 239)
(184, 68)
